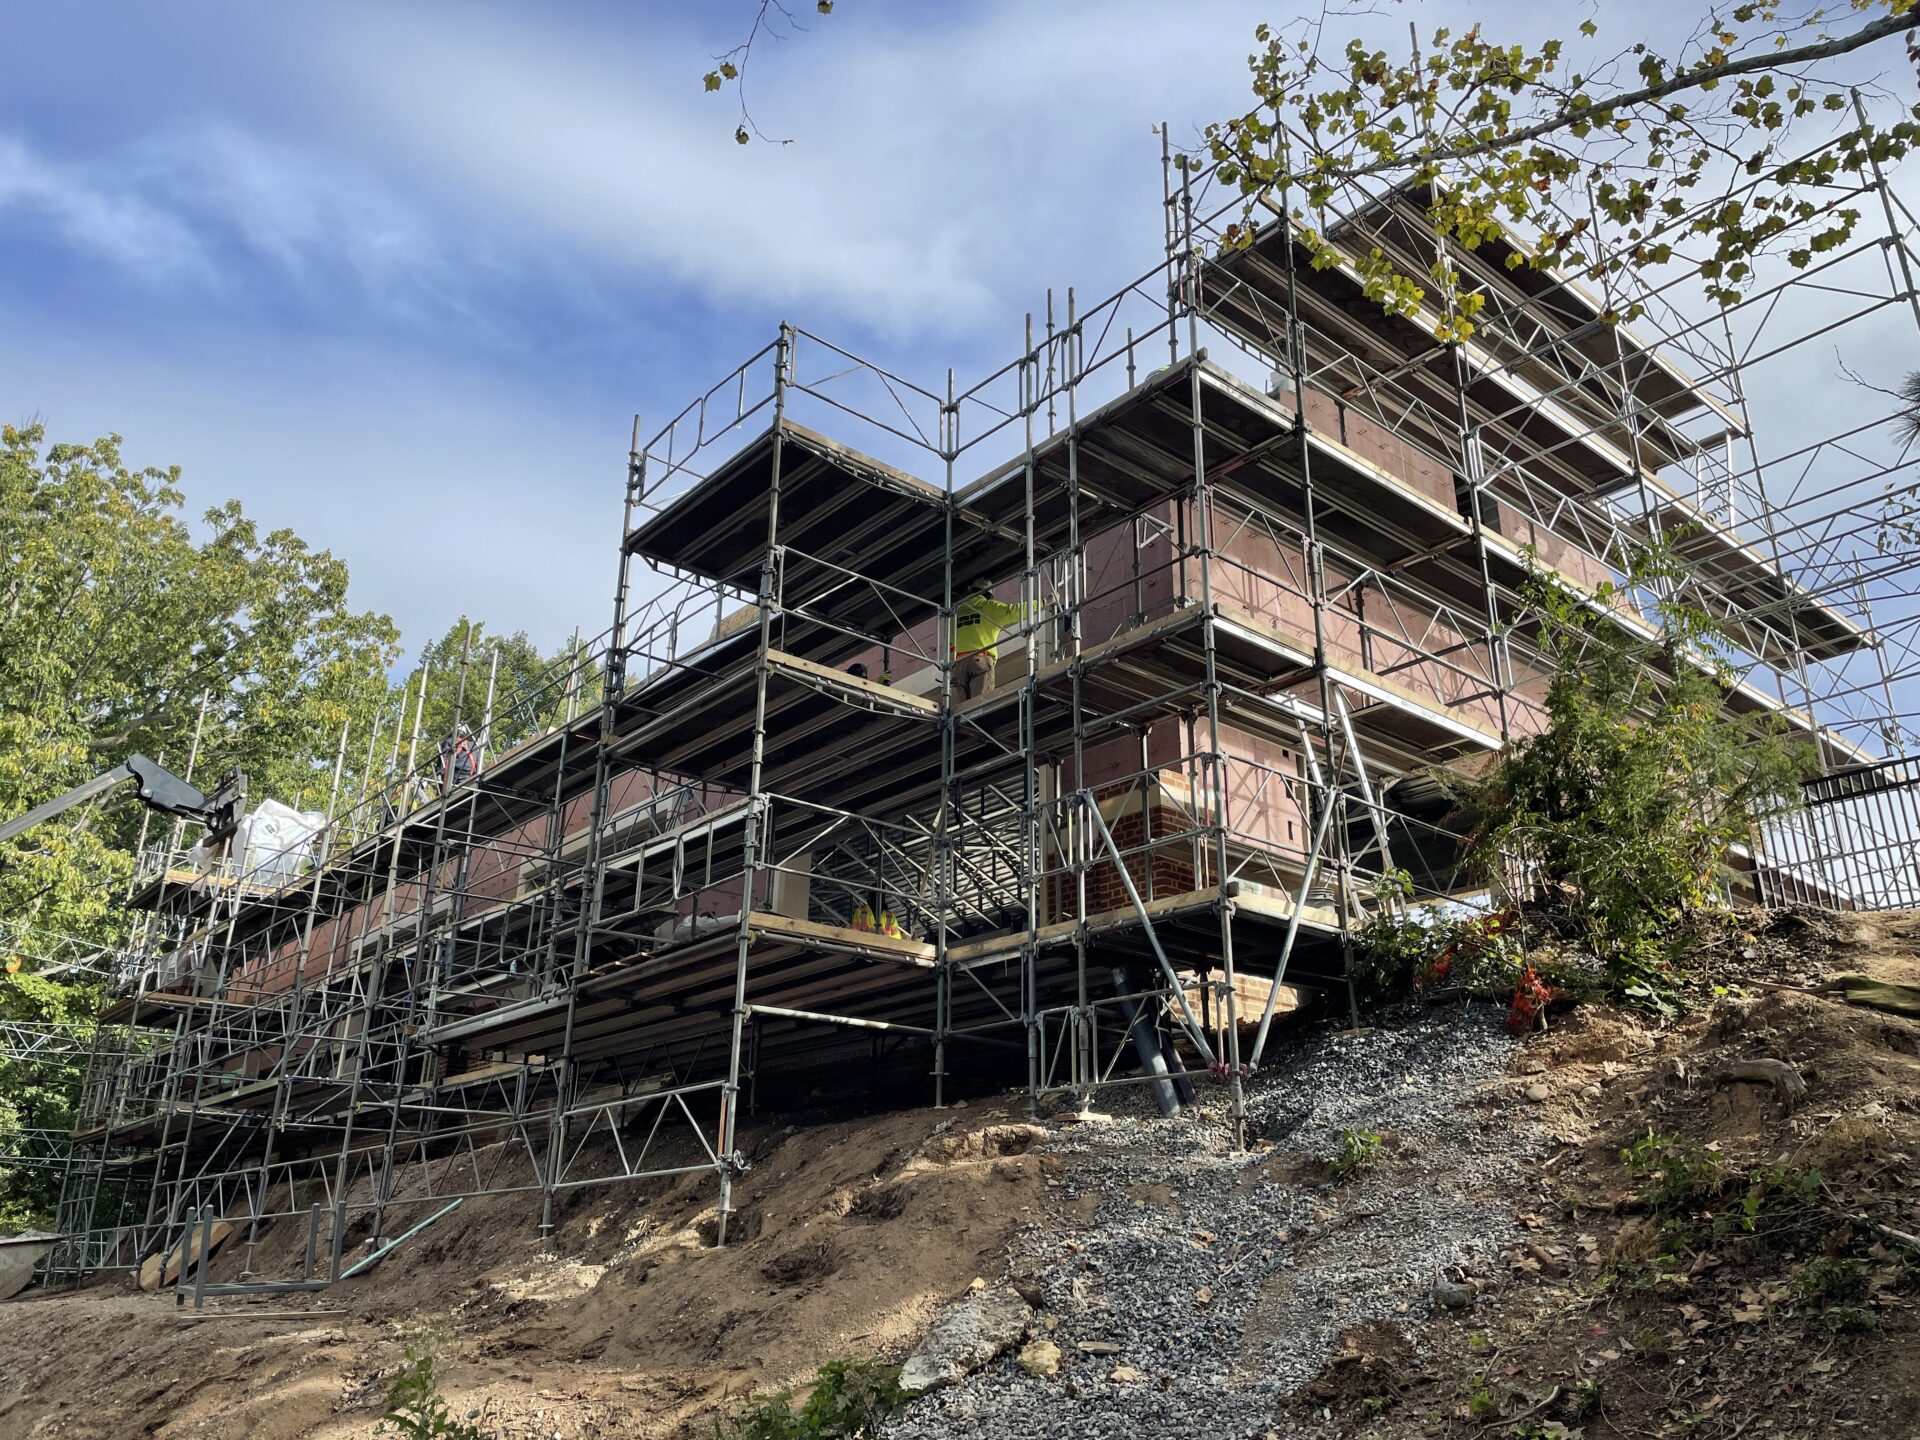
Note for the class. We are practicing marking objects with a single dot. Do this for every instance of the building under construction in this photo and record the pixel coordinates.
(1272, 547)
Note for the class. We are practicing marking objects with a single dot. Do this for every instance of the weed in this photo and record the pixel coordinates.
(1674, 1172)
(1654, 1273)
(1781, 1197)
(1832, 1281)
(849, 1400)
(1851, 1320)
(1582, 1402)
(417, 1409)
(1359, 1153)
(1481, 1402)
(1654, 1346)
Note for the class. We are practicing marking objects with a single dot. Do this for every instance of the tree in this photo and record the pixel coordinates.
(119, 622)
(1908, 424)
(1615, 821)
(1612, 160)
(509, 692)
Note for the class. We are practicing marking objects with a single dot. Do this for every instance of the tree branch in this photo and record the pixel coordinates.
(1689, 80)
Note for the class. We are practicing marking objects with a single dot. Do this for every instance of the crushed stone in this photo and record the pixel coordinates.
(1225, 1279)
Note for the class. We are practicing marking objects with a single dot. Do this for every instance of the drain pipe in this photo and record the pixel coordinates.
(1146, 1044)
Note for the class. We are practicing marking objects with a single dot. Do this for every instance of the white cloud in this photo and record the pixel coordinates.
(443, 490)
(187, 206)
(98, 212)
(934, 172)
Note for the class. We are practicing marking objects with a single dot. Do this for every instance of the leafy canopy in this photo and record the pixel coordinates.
(1708, 158)
(1614, 821)
(117, 616)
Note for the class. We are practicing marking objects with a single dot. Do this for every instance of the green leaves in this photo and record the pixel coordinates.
(1580, 172)
(849, 1401)
(415, 1407)
(1615, 818)
(116, 617)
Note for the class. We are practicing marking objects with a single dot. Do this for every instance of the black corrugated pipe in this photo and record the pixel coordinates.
(1166, 1081)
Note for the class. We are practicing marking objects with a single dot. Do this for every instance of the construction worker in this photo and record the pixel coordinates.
(459, 758)
(977, 624)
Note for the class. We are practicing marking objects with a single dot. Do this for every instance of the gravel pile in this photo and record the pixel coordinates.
(1217, 1283)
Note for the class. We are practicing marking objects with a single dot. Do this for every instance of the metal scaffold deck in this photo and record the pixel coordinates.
(1271, 547)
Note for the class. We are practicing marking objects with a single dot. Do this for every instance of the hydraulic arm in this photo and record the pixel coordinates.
(159, 789)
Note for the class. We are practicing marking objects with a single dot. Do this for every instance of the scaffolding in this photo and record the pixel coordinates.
(1272, 546)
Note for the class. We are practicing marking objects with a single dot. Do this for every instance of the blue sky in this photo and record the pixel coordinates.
(399, 275)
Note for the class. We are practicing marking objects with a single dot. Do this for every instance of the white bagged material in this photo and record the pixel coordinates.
(275, 842)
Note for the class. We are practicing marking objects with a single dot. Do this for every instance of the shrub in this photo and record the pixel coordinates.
(1615, 820)
(1399, 951)
(850, 1399)
(1673, 1172)
(1785, 1198)
(1833, 1280)
(1851, 1320)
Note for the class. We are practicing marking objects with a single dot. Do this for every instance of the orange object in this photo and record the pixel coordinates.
(1530, 1000)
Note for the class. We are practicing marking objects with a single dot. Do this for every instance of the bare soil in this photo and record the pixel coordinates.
(629, 1325)
(1619, 1314)
(1622, 1315)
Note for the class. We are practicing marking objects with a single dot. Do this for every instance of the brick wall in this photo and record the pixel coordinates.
(1137, 816)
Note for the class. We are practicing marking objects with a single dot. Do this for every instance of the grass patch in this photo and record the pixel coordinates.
(1359, 1154)
(849, 1400)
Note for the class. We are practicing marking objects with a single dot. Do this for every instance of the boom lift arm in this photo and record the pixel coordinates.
(159, 789)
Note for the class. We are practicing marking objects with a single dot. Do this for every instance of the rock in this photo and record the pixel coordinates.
(966, 1335)
(1537, 1092)
(1040, 1357)
(976, 1285)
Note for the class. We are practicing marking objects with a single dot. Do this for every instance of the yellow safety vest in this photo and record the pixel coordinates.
(863, 918)
(977, 624)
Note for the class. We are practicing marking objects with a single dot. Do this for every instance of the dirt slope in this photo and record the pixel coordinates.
(1751, 1274)
(632, 1326)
